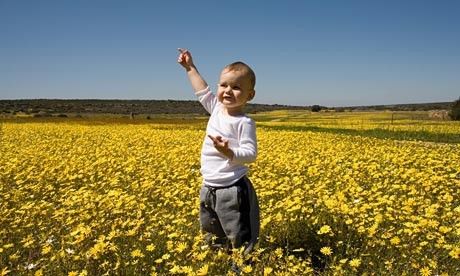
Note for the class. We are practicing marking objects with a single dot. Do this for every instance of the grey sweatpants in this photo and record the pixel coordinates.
(231, 213)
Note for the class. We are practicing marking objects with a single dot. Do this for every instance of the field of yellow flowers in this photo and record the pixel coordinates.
(91, 198)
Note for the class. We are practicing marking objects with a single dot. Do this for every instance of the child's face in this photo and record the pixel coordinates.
(234, 90)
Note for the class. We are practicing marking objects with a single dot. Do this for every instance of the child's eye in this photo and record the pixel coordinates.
(236, 87)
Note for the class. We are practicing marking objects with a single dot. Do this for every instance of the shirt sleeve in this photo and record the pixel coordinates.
(247, 150)
(207, 99)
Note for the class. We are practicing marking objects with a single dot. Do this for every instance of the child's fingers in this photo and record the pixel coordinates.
(184, 55)
(216, 140)
(183, 52)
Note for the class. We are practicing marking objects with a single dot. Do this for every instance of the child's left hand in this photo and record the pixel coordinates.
(219, 143)
(222, 146)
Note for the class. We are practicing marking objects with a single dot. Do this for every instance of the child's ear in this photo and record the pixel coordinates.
(251, 94)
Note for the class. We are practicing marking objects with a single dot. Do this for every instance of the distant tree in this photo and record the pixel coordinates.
(455, 112)
(315, 108)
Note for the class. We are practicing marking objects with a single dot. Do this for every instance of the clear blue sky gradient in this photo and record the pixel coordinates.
(332, 53)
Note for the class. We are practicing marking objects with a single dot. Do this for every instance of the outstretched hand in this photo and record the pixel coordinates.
(185, 59)
(222, 146)
(197, 81)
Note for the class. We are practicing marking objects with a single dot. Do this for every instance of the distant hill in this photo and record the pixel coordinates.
(54, 106)
(49, 107)
(405, 107)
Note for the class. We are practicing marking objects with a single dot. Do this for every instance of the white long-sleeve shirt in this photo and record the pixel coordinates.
(240, 131)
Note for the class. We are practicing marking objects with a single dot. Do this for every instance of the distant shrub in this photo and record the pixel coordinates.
(316, 108)
(455, 112)
(62, 116)
(43, 115)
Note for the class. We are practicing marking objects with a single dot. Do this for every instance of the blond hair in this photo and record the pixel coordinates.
(245, 69)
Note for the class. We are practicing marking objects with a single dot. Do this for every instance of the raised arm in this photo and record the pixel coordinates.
(197, 81)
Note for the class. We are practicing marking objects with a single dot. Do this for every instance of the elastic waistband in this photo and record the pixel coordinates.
(240, 182)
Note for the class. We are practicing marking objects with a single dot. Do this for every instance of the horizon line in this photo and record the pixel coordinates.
(95, 99)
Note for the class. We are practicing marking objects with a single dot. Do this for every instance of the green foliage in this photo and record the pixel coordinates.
(316, 108)
(455, 112)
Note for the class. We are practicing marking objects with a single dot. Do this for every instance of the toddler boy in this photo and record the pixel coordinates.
(229, 210)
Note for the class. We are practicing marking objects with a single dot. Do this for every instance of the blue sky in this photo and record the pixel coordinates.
(332, 53)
